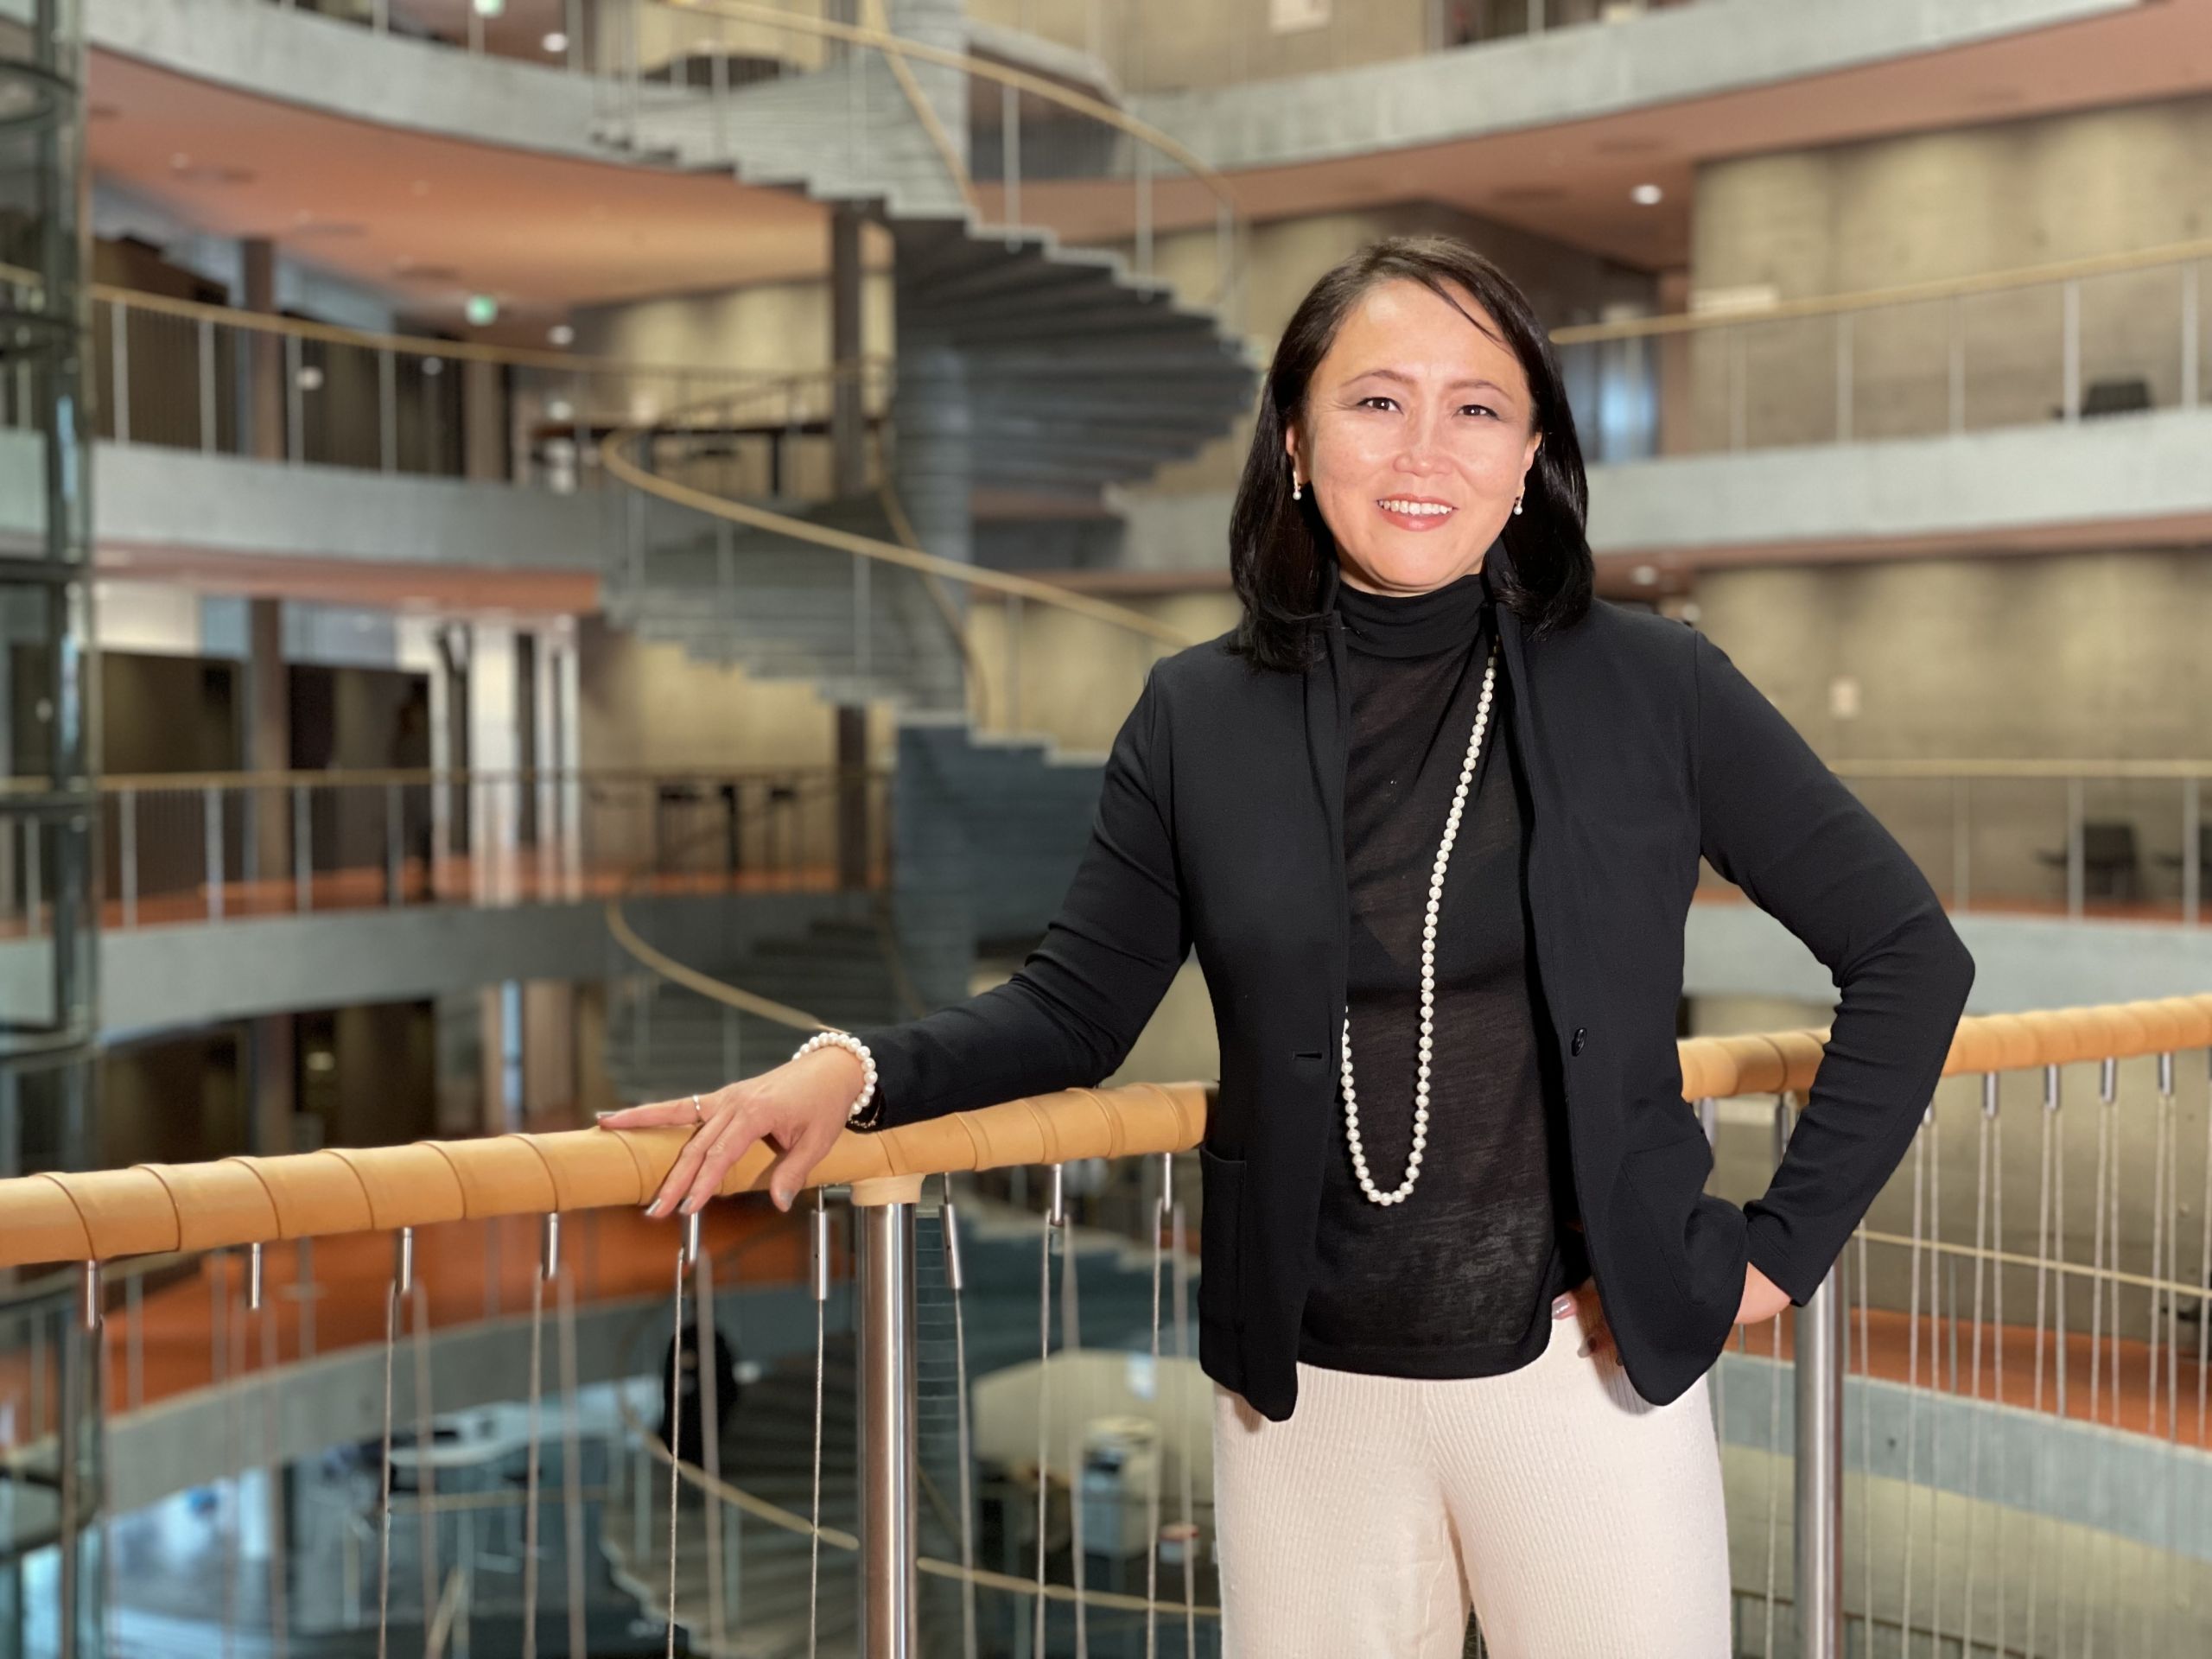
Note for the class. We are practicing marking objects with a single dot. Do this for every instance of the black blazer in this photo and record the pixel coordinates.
(1220, 825)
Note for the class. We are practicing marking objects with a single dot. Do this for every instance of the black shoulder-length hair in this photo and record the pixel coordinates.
(1279, 547)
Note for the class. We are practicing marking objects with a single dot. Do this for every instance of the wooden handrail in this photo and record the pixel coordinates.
(154, 1208)
(103, 1214)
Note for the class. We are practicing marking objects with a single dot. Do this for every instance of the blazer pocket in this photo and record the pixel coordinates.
(1221, 1219)
(1666, 1181)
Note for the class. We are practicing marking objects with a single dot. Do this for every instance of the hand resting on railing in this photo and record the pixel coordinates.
(799, 1107)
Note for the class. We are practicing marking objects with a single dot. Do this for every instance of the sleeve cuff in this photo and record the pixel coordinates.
(1764, 1249)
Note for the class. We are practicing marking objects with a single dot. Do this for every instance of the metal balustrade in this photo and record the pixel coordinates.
(1987, 1434)
(2122, 841)
(215, 847)
(590, 37)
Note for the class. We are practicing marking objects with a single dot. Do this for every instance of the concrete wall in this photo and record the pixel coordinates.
(162, 978)
(1075, 678)
(1687, 52)
(1931, 206)
(2091, 655)
(653, 705)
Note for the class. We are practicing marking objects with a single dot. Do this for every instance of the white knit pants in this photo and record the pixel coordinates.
(1579, 1522)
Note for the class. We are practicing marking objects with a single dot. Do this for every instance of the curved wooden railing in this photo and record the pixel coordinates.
(101, 1215)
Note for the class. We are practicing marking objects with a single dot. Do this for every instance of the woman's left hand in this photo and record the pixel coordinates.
(1582, 1303)
(1762, 1298)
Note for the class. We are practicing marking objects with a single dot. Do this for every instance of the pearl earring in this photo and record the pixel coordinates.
(1297, 489)
(1517, 504)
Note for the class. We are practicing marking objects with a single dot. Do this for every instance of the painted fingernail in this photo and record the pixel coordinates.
(603, 1116)
(691, 1206)
(1561, 1307)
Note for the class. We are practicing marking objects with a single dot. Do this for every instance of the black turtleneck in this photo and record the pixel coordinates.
(1458, 1280)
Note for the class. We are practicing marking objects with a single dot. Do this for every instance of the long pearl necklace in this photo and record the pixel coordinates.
(1427, 973)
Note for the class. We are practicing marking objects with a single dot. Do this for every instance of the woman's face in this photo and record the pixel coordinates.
(1415, 438)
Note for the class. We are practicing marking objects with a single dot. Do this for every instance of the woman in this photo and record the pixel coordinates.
(1430, 817)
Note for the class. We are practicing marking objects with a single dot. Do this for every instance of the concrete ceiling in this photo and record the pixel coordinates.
(429, 220)
(426, 220)
(1571, 180)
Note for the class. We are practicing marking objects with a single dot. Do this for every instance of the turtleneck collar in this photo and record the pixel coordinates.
(1413, 625)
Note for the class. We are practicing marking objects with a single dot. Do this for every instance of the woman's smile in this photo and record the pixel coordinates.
(1416, 512)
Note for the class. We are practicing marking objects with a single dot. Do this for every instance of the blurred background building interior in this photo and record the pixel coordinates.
(547, 546)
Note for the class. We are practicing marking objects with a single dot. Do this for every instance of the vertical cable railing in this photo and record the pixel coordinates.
(2018, 1421)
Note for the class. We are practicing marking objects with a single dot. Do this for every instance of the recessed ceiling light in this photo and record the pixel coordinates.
(561, 335)
(555, 42)
(1646, 195)
(481, 309)
(490, 8)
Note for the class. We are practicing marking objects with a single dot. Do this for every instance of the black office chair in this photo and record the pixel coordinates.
(2109, 861)
(2124, 396)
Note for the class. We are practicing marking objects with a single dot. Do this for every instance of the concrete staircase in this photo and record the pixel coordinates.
(1073, 372)
(787, 609)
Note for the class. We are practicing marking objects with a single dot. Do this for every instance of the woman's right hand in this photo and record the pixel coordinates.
(799, 1108)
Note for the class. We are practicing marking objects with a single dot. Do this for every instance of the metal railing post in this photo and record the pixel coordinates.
(1010, 157)
(126, 812)
(1843, 377)
(388, 408)
(303, 851)
(2190, 389)
(2077, 856)
(1013, 697)
(119, 368)
(294, 402)
(394, 848)
(1144, 210)
(2070, 294)
(1958, 365)
(211, 800)
(207, 420)
(890, 1582)
(1820, 1471)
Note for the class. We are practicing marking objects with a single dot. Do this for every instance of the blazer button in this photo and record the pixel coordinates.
(1575, 1048)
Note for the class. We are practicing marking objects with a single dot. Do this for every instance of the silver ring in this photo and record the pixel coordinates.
(698, 1112)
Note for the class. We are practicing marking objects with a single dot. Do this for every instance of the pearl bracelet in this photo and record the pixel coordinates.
(853, 1046)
